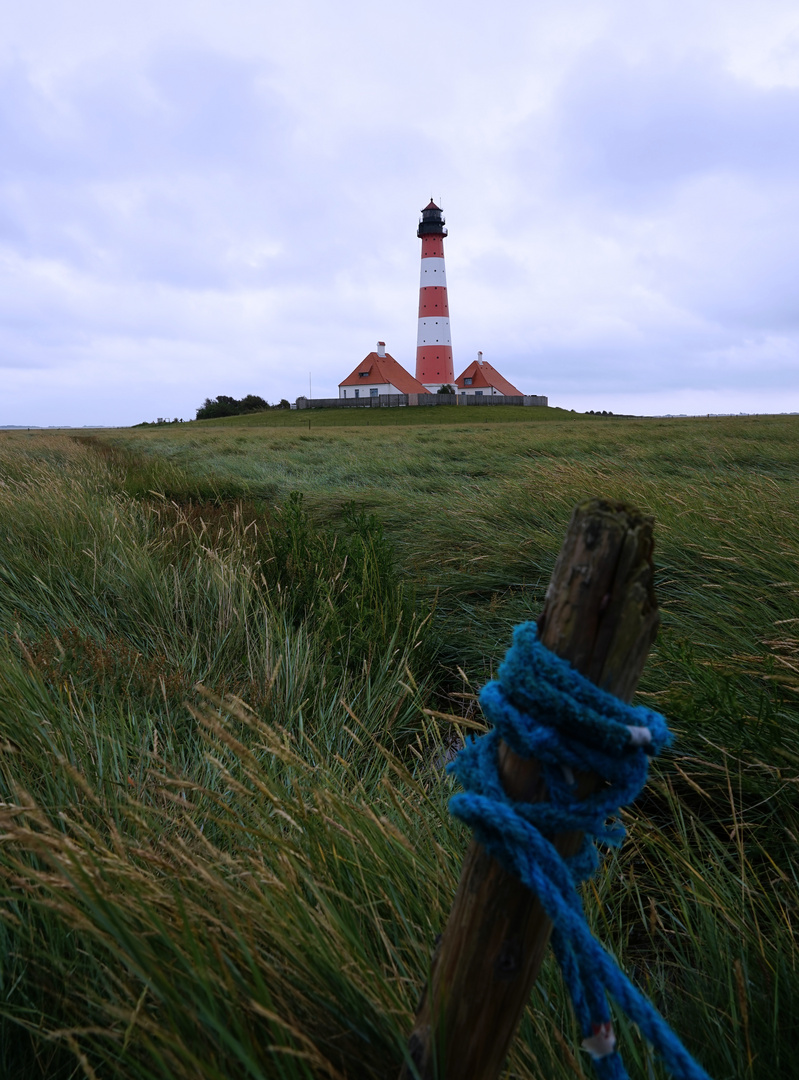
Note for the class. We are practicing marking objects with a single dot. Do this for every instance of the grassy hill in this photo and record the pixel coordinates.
(228, 651)
(410, 416)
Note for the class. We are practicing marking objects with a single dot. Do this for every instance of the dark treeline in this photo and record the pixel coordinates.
(223, 405)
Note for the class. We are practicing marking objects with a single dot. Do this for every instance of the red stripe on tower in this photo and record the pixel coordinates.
(433, 345)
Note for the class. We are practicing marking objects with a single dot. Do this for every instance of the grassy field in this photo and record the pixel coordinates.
(228, 651)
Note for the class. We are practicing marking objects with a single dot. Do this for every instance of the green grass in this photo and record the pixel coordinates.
(225, 847)
(390, 417)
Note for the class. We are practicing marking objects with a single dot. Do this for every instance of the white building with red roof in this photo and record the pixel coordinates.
(482, 380)
(379, 373)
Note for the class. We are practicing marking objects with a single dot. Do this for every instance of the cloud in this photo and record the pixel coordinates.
(632, 133)
(657, 243)
(216, 200)
(141, 173)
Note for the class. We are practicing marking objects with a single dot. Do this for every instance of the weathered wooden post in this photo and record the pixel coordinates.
(601, 615)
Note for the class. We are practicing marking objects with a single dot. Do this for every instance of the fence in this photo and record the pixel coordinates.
(499, 399)
(393, 401)
(380, 401)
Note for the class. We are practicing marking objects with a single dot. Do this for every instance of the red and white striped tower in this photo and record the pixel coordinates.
(433, 345)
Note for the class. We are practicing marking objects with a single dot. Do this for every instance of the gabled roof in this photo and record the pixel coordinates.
(483, 377)
(383, 369)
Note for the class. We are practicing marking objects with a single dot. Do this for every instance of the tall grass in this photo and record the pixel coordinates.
(225, 847)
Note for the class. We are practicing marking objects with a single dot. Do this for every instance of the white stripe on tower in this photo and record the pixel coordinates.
(433, 332)
(434, 366)
(433, 273)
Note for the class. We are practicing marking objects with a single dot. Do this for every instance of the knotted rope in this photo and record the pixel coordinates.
(542, 708)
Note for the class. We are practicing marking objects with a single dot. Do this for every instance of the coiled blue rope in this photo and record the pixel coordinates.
(545, 709)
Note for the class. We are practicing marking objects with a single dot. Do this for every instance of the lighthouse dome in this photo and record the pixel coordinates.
(432, 223)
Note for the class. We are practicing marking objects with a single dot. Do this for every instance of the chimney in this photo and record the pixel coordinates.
(479, 358)
(381, 348)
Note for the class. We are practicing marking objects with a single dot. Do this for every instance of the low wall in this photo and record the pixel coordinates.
(501, 399)
(432, 399)
(380, 401)
(393, 401)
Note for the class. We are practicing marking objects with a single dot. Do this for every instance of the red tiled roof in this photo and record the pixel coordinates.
(383, 369)
(484, 376)
(432, 206)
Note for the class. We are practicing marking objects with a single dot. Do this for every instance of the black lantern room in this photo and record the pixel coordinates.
(432, 223)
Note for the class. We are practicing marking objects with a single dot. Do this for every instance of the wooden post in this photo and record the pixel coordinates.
(601, 615)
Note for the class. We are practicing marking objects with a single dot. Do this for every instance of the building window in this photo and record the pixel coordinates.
(478, 393)
(467, 382)
(362, 374)
(343, 393)
(373, 391)
(357, 393)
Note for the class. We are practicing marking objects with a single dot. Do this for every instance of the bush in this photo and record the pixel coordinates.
(223, 405)
(252, 403)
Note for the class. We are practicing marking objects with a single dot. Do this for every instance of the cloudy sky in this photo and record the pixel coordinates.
(222, 197)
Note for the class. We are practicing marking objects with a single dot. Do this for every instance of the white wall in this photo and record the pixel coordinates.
(486, 390)
(365, 389)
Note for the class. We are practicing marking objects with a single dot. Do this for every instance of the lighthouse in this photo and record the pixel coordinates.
(433, 344)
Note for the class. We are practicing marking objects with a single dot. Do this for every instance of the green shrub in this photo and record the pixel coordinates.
(224, 405)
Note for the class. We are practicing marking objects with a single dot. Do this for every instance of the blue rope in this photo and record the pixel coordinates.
(545, 709)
